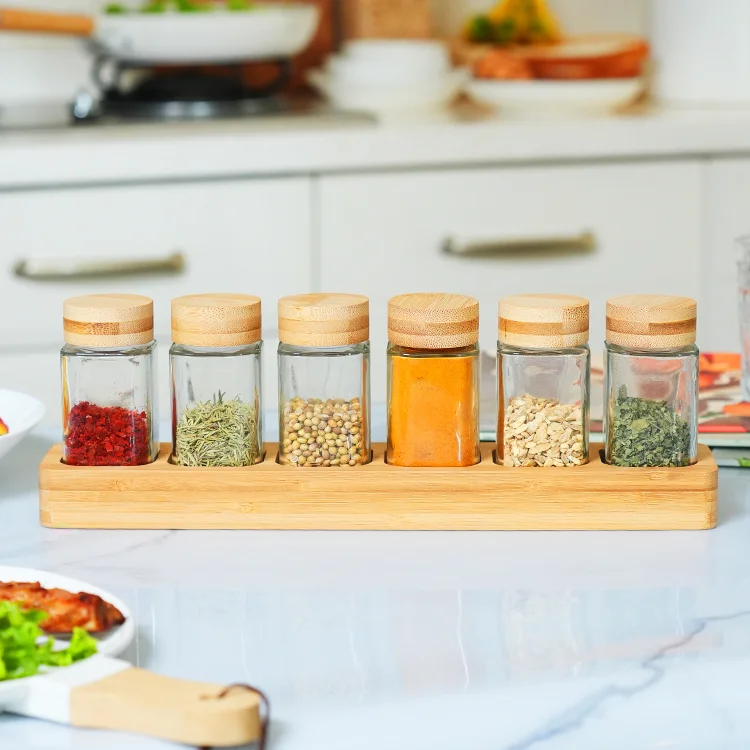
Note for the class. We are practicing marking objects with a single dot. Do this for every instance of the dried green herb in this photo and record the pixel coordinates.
(217, 433)
(647, 433)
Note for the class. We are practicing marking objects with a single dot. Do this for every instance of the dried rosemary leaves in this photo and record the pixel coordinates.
(324, 433)
(217, 433)
(647, 433)
(543, 432)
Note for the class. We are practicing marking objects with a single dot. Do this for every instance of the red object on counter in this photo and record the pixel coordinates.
(106, 436)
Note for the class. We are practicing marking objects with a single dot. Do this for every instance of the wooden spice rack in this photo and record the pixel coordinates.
(378, 496)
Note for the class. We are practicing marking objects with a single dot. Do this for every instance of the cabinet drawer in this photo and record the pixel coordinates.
(384, 234)
(250, 236)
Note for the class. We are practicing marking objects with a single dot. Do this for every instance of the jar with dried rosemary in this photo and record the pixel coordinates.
(215, 364)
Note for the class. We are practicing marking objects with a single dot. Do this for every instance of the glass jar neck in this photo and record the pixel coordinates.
(293, 350)
(546, 352)
(405, 351)
(101, 351)
(689, 350)
(216, 351)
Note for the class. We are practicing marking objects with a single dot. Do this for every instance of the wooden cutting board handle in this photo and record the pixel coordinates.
(54, 23)
(192, 713)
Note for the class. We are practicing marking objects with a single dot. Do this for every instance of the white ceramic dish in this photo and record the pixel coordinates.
(426, 97)
(110, 644)
(387, 72)
(557, 98)
(21, 413)
(430, 53)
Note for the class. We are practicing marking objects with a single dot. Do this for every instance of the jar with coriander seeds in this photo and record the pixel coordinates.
(108, 369)
(651, 384)
(215, 365)
(543, 366)
(324, 380)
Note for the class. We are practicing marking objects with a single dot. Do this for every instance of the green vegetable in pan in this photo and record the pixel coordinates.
(180, 6)
(25, 650)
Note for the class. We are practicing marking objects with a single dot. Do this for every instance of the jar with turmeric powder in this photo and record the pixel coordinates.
(324, 380)
(543, 366)
(433, 380)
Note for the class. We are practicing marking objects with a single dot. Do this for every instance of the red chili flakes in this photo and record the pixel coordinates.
(106, 436)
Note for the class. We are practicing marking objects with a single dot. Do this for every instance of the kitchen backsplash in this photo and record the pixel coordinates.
(44, 67)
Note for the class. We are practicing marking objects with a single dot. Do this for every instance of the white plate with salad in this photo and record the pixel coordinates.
(76, 679)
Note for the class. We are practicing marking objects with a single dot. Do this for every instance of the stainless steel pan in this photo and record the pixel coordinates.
(265, 32)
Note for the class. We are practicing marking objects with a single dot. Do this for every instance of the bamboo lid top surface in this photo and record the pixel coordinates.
(108, 320)
(433, 321)
(216, 320)
(543, 321)
(324, 320)
(651, 321)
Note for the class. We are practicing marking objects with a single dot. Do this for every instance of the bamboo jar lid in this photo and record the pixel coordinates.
(651, 321)
(543, 321)
(108, 320)
(324, 320)
(216, 320)
(433, 321)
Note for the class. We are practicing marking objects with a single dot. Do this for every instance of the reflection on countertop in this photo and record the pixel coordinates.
(428, 640)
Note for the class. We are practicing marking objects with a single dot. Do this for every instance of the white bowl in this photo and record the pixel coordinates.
(388, 72)
(412, 99)
(427, 54)
(22, 414)
(557, 98)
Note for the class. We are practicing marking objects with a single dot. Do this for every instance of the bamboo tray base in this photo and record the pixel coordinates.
(377, 496)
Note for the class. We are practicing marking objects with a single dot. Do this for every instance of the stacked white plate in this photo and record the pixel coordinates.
(390, 76)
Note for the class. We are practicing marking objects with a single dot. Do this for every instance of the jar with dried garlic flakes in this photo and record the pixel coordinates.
(543, 366)
(324, 380)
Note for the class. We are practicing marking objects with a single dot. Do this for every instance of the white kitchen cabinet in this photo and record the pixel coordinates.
(727, 217)
(250, 236)
(382, 234)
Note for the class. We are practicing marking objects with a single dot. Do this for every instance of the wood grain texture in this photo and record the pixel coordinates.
(651, 321)
(108, 320)
(192, 713)
(433, 321)
(324, 319)
(216, 320)
(544, 321)
(378, 497)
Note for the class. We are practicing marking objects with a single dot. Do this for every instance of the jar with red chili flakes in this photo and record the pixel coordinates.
(108, 381)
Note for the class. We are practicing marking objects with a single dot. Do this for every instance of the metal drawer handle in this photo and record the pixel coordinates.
(577, 243)
(51, 270)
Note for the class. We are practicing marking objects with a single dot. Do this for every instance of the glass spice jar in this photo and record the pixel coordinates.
(108, 372)
(433, 380)
(543, 366)
(324, 380)
(651, 388)
(215, 366)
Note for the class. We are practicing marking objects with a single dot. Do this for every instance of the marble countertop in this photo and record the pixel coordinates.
(427, 641)
(257, 147)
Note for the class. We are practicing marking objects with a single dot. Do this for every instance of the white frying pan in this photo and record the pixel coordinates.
(102, 692)
(264, 32)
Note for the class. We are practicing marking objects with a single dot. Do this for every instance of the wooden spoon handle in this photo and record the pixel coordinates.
(55, 23)
(192, 713)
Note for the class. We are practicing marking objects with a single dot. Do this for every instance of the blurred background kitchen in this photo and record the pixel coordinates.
(593, 147)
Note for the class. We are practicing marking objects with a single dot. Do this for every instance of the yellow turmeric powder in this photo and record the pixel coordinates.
(433, 410)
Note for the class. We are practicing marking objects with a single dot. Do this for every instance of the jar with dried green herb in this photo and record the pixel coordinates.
(215, 364)
(651, 414)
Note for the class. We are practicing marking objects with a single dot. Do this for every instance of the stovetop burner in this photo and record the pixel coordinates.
(181, 94)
